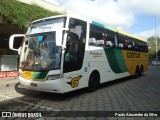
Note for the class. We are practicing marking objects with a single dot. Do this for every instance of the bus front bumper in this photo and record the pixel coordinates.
(54, 86)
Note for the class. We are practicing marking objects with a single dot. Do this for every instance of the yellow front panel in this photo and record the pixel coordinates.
(27, 75)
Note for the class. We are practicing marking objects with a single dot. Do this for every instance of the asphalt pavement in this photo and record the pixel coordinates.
(123, 99)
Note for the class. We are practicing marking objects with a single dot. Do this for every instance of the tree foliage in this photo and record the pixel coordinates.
(152, 46)
(21, 14)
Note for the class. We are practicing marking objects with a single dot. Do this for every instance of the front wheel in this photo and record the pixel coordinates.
(94, 82)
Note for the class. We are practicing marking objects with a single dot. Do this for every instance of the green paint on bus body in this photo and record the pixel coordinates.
(103, 26)
(39, 75)
(120, 59)
(116, 60)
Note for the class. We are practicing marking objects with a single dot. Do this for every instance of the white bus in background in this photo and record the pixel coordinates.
(65, 53)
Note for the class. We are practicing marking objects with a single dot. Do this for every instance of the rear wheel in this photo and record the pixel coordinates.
(94, 82)
(136, 75)
(141, 71)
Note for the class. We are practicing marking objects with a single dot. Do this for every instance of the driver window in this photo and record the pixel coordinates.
(71, 57)
(71, 52)
(79, 28)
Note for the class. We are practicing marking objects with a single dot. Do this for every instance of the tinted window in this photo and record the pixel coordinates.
(95, 37)
(110, 38)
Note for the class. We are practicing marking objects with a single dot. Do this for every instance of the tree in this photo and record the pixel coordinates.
(20, 14)
(152, 46)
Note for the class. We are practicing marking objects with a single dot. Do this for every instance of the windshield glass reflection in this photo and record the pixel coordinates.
(41, 53)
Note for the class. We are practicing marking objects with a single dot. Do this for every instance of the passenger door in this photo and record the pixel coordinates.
(73, 60)
(74, 55)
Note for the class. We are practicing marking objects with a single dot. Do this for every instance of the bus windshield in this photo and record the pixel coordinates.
(39, 49)
(41, 53)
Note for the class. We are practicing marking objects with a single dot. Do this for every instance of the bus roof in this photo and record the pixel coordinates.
(129, 35)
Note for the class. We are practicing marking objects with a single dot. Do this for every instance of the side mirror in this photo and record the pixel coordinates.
(12, 41)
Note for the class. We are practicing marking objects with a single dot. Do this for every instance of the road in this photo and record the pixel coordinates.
(129, 94)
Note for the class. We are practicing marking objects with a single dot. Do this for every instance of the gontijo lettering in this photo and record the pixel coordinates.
(133, 55)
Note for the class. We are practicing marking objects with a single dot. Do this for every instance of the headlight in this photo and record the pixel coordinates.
(53, 77)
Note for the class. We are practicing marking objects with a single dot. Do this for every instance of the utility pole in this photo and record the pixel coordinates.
(156, 38)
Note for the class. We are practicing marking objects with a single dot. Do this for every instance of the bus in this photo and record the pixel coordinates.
(64, 53)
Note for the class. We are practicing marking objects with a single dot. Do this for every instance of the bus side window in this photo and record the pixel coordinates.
(92, 41)
(100, 43)
(130, 44)
(121, 42)
(134, 44)
(109, 44)
(126, 44)
(110, 38)
(146, 47)
(139, 45)
(120, 45)
(95, 36)
(136, 47)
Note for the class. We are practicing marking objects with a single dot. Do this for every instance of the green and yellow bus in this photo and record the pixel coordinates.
(65, 53)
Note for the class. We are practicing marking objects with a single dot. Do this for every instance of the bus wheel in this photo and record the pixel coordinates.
(141, 71)
(94, 82)
(137, 72)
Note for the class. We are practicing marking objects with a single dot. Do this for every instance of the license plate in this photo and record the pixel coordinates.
(33, 85)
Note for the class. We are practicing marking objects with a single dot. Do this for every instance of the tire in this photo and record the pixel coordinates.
(141, 71)
(94, 82)
(136, 75)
